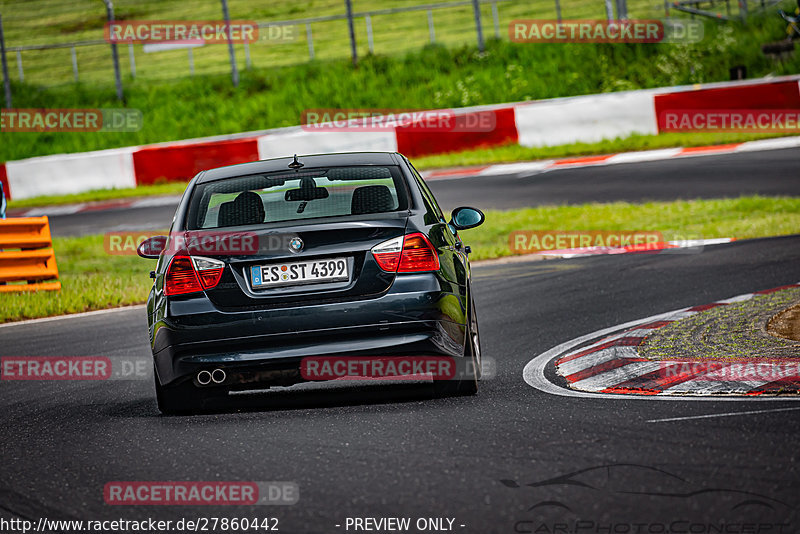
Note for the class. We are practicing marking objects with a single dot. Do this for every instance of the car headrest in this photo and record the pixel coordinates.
(246, 208)
(371, 199)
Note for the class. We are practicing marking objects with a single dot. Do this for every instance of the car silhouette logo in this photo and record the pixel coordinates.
(296, 244)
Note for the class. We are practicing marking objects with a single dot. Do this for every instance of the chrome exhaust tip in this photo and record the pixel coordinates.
(218, 376)
(204, 378)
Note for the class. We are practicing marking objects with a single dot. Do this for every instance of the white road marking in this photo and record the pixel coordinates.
(738, 298)
(54, 210)
(171, 200)
(73, 315)
(644, 155)
(516, 168)
(768, 144)
(728, 414)
(683, 314)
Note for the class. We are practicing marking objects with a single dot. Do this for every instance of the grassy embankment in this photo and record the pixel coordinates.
(433, 77)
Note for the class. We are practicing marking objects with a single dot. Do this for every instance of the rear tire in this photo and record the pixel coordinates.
(472, 351)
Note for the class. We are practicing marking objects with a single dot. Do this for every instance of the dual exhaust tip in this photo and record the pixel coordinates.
(216, 376)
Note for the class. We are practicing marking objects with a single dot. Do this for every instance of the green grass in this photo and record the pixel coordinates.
(737, 330)
(432, 77)
(30, 22)
(92, 279)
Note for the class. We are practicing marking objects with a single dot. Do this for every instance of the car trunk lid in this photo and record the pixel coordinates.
(336, 241)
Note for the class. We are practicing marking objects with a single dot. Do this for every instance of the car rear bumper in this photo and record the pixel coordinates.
(419, 316)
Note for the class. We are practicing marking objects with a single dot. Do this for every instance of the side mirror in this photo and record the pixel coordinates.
(464, 218)
(152, 247)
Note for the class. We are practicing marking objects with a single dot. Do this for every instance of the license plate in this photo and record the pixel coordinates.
(299, 272)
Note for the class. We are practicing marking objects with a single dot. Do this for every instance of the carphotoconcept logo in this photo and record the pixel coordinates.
(71, 120)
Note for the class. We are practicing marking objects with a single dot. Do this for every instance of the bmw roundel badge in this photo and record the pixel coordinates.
(296, 244)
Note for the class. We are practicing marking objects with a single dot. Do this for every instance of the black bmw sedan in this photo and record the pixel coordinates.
(305, 268)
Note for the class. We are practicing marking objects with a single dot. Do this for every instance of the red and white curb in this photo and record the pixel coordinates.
(610, 366)
(551, 122)
(528, 167)
(525, 167)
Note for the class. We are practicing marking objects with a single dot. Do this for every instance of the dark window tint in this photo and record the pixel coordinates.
(297, 195)
(427, 196)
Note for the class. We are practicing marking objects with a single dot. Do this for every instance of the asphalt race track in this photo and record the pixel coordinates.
(511, 459)
(395, 451)
(771, 172)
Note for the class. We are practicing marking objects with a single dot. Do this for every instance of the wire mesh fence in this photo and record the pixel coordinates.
(721, 9)
(51, 42)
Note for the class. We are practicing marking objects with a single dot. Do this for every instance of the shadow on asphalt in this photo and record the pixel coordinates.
(286, 399)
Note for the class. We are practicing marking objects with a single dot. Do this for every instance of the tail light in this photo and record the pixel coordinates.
(387, 254)
(187, 274)
(412, 253)
(418, 255)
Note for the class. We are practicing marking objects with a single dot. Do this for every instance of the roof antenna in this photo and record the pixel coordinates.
(295, 164)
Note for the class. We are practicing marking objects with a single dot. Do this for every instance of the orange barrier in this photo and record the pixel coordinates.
(32, 261)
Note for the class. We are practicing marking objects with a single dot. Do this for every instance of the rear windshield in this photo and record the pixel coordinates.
(297, 195)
